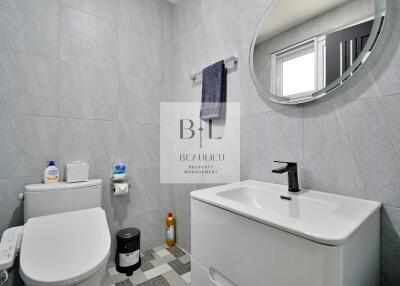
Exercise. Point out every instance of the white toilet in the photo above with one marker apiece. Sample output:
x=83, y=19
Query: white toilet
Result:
x=66, y=240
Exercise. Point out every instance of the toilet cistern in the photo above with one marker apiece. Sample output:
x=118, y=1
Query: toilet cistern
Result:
x=291, y=169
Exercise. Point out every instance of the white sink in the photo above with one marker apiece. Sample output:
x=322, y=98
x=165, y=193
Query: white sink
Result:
x=254, y=233
x=325, y=218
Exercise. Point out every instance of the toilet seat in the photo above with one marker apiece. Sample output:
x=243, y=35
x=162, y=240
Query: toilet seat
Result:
x=65, y=248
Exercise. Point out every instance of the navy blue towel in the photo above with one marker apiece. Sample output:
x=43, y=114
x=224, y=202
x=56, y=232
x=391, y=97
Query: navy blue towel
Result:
x=213, y=91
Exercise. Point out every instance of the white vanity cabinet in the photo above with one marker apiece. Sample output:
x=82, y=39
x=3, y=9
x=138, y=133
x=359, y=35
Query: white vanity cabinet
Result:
x=232, y=249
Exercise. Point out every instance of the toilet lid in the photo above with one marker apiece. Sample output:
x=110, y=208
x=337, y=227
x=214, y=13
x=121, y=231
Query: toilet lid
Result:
x=66, y=248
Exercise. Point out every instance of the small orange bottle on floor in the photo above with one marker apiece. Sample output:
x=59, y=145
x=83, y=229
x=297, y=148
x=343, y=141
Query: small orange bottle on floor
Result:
x=170, y=222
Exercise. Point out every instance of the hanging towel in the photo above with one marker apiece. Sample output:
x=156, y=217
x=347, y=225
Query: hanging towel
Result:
x=213, y=91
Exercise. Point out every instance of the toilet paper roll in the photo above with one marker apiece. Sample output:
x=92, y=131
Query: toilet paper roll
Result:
x=121, y=189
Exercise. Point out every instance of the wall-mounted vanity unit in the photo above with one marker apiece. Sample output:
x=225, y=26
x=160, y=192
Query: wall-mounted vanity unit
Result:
x=254, y=233
x=303, y=50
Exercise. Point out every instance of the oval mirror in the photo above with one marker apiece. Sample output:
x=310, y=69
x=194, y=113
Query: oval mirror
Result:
x=305, y=49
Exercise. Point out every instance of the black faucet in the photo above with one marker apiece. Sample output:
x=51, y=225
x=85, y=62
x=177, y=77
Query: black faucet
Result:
x=291, y=169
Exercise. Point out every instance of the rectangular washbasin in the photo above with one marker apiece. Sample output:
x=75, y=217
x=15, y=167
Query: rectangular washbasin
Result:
x=321, y=217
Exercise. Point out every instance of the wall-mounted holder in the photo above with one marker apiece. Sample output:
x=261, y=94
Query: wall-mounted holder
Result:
x=119, y=184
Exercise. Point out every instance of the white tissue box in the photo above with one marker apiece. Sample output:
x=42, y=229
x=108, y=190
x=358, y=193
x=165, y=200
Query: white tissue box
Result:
x=77, y=172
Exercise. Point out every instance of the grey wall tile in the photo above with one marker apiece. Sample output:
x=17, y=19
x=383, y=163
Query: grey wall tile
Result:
x=267, y=137
x=152, y=17
x=140, y=98
x=167, y=62
x=189, y=57
x=251, y=13
x=209, y=7
x=325, y=168
x=180, y=195
x=221, y=31
x=87, y=92
x=30, y=84
x=142, y=141
x=103, y=139
x=27, y=142
x=167, y=91
x=74, y=142
x=145, y=195
x=88, y=39
x=167, y=201
x=351, y=149
x=107, y=9
x=185, y=91
x=187, y=16
x=95, y=142
x=183, y=231
x=168, y=17
x=30, y=26
x=140, y=54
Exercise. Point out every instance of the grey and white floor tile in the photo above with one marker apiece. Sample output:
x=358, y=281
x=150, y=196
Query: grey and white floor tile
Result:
x=161, y=266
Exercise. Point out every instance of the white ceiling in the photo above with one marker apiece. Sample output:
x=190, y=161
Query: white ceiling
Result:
x=286, y=14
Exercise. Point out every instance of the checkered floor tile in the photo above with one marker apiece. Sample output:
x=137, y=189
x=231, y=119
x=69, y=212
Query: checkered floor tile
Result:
x=161, y=266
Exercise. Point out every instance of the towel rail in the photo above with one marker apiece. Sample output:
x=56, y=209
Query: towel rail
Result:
x=230, y=63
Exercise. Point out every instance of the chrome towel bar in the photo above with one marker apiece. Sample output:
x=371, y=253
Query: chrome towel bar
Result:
x=230, y=64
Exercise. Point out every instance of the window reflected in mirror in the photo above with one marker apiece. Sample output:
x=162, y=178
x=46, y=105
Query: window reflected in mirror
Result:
x=307, y=48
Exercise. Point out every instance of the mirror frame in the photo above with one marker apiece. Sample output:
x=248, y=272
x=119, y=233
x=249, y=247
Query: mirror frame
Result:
x=371, y=43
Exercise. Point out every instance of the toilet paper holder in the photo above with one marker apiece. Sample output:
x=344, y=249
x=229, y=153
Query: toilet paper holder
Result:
x=118, y=180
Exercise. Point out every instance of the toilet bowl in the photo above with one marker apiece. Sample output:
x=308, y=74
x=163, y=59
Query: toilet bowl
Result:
x=70, y=248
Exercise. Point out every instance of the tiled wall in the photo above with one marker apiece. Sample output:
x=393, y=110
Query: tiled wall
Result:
x=346, y=143
x=82, y=80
